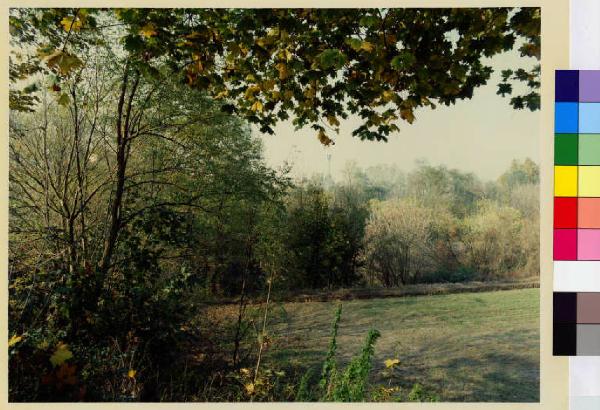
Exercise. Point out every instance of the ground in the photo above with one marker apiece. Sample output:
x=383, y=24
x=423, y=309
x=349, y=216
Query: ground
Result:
x=465, y=347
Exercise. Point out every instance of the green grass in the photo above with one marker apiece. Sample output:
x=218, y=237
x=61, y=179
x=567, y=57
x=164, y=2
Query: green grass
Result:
x=464, y=347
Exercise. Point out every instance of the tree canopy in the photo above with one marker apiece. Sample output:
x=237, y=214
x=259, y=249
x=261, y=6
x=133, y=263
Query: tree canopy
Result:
x=314, y=66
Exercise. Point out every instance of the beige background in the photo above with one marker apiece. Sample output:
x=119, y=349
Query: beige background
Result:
x=555, y=55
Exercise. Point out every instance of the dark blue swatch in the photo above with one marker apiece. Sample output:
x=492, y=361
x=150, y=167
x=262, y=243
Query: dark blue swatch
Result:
x=566, y=85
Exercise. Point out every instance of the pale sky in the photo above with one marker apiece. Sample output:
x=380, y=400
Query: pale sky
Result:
x=482, y=135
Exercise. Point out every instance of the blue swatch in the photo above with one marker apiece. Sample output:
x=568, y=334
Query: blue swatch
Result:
x=565, y=117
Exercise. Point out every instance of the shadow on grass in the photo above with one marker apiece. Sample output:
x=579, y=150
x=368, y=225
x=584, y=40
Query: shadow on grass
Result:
x=501, y=377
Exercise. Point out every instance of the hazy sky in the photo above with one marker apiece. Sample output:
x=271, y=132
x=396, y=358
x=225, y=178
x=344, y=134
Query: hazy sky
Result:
x=482, y=135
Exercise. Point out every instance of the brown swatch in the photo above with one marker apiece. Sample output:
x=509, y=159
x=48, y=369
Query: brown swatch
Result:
x=588, y=307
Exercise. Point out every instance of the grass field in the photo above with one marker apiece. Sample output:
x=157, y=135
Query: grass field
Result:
x=464, y=347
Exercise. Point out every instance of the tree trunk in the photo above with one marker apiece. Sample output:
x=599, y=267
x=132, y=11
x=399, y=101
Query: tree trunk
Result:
x=123, y=115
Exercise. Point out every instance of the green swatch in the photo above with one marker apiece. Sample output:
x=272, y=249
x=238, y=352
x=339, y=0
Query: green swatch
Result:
x=565, y=149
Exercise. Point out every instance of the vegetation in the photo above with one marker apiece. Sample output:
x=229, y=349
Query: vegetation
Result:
x=271, y=65
x=458, y=347
x=140, y=199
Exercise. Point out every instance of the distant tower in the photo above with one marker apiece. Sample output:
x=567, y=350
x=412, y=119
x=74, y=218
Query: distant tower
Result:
x=329, y=166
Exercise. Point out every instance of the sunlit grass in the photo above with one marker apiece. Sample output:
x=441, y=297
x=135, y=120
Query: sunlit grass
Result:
x=464, y=347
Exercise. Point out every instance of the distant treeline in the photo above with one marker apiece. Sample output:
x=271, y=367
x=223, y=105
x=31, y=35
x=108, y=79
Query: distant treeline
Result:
x=381, y=226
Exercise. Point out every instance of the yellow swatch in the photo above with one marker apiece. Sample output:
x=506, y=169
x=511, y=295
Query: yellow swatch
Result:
x=565, y=180
x=589, y=181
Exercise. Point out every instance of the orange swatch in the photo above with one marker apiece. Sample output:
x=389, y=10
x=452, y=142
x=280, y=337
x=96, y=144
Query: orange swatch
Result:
x=588, y=213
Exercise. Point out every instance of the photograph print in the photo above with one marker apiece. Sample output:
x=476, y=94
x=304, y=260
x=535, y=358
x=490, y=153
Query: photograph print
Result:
x=274, y=205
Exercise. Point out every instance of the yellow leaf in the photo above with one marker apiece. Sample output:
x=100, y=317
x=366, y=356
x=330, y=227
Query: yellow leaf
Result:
x=267, y=85
x=367, y=46
x=333, y=121
x=391, y=362
x=273, y=32
x=14, y=340
x=60, y=355
x=288, y=55
x=257, y=106
x=288, y=94
x=148, y=30
x=193, y=35
x=249, y=388
x=250, y=91
x=222, y=95
x=131, y=373
x=387, y=95
x=71, y=23
x=324, y=139
x=245, y=371
x=407, y=114
x=283, y=71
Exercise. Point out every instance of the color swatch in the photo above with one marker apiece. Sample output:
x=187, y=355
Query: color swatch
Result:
x=577, y=213
x=576, y=323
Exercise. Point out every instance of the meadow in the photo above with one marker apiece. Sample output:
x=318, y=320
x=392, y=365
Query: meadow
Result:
x=464, y=347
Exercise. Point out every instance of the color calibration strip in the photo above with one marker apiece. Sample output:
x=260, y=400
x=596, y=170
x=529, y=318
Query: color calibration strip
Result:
x=577, y=213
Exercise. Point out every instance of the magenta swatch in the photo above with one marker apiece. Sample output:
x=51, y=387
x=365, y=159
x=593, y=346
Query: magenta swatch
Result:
x=565, y=244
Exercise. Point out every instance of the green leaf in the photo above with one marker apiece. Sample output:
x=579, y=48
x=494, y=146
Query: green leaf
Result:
x=369, y=21
x=402, y=60
x=331, y=58
x=354, y=43
x=504, y=88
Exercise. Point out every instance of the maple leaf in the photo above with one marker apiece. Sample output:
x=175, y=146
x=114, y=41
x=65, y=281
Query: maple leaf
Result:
x=64, y=62
x=61, y=354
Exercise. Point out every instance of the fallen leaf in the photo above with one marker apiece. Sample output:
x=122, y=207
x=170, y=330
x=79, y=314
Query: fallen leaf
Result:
x=391, y=362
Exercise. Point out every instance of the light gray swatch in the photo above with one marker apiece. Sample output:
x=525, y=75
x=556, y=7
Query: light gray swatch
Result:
x=588, y=340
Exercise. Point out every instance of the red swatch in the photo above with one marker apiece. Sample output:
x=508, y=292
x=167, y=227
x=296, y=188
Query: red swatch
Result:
x=565, y=212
